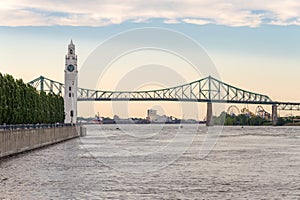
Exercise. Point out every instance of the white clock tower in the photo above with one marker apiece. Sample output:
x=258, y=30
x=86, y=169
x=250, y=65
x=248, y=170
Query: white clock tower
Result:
x=71, y=84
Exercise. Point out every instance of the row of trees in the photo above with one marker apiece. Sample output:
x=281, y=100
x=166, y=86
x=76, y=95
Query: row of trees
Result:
x=241, y=119
x=21, y=103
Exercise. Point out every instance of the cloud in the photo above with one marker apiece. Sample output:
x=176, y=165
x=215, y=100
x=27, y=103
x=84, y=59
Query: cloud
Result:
x=171, y=21
x=105, y=12
x=196, y=21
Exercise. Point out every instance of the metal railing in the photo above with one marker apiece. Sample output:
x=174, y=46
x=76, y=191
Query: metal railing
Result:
x=32, y=126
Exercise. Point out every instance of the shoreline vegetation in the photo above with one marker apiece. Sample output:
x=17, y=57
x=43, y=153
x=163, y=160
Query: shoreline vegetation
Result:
x=223, y=119
x=253, y=120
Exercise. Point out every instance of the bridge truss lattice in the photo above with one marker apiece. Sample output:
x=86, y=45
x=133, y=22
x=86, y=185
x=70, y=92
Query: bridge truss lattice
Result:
x=207, y=89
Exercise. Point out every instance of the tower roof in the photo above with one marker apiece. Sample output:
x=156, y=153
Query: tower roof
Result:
x=71, y=44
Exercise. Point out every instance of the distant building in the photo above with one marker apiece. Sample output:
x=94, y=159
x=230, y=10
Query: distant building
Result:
x=152, y=115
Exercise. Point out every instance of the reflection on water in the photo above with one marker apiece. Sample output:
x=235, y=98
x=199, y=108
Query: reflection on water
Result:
x=249, y=162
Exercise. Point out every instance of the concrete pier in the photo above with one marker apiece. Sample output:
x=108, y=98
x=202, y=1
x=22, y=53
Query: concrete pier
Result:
x=17, y=141
x=274, y=115
x=209, y=115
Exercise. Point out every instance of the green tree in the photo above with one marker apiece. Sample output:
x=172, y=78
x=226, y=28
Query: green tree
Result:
x=21, y=103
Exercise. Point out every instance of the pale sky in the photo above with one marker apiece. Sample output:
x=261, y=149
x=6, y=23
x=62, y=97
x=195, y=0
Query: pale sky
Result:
x=255, y=45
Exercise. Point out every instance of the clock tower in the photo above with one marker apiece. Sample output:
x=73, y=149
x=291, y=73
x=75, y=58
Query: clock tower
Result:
x=71, y=84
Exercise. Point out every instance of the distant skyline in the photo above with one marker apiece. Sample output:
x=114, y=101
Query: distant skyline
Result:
x=255, y=45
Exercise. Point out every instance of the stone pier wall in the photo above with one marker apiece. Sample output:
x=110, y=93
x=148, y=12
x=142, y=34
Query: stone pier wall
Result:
x=17, y=141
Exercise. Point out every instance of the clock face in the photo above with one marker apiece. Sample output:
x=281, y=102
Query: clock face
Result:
x=70, y=68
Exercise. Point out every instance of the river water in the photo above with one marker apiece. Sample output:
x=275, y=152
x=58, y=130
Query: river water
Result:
x=160, y=162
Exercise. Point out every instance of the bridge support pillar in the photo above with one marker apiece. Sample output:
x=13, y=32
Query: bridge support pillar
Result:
x=274, y=115
x=209, y=115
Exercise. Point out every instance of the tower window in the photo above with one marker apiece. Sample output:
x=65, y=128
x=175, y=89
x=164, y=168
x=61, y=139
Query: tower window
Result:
x=72, y=94
x=70, y=88
x=69, y=94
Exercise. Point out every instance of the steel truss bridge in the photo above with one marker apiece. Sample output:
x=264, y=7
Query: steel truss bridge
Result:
x=208, y=90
